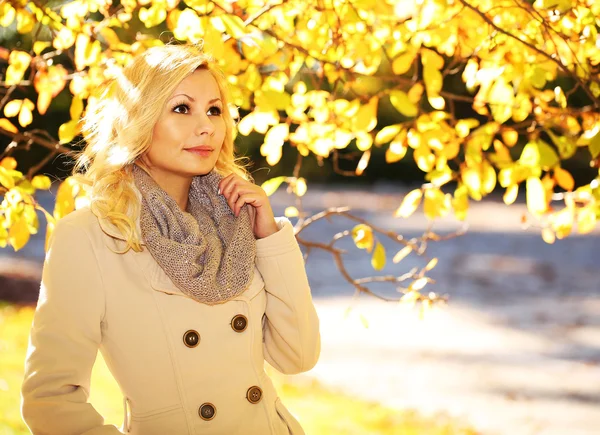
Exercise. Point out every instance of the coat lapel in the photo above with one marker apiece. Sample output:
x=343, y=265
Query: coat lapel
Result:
x=156, y=277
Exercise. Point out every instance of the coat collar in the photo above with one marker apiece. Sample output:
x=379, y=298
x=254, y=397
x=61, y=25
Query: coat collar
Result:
x=155, y=275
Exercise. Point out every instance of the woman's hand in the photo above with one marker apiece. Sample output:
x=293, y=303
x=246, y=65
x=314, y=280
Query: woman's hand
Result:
x=238, y=192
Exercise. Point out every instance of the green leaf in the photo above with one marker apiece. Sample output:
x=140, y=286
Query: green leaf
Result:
x=270, y=186
x=566, y=146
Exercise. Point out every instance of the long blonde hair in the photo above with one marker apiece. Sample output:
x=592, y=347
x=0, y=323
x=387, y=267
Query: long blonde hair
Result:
x=118, y=130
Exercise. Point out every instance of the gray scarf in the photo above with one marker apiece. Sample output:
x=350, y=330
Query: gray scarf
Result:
x=206, y=251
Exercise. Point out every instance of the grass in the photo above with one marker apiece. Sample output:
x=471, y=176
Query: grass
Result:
x=320, y=411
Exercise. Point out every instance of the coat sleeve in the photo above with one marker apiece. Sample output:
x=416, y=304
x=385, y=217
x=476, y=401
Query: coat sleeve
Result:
x=292, y=341
x=64, y=340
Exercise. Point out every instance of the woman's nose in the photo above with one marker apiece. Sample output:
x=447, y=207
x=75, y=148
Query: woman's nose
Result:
x=204, y=126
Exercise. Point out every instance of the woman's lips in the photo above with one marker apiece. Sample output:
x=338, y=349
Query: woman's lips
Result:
x=204, y=152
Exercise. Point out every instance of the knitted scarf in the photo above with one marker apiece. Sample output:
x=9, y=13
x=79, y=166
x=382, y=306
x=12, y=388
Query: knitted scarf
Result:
x=206, y=251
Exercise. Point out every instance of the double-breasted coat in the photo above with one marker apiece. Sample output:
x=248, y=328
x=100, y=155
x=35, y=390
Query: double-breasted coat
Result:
x=183, y=367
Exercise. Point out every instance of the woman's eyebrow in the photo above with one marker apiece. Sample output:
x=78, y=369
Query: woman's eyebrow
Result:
x=214, y=100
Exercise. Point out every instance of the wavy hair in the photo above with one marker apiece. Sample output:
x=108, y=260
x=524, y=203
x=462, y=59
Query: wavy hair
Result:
x=118, y=125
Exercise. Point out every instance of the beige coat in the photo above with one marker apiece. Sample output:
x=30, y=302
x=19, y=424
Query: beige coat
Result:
x=171, y=356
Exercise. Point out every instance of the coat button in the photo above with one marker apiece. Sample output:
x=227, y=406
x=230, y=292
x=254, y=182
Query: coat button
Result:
x=207, y=411
x=239, y=323
x=254, y=394
x=191, y=338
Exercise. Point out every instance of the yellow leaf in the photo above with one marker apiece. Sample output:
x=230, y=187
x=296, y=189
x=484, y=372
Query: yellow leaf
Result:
x=76, y=107
x=560, y=97
x=8, y=163
x=300, y=186
x=488, y=179
x=386, y=134
x=41, y=182
x=39, y=46
x=416, y=93
x=25, y=115
x=436, y=204
x=271, y=185
x=433, y=81
x=586, y=220
x=594, y=145
x=291, y=211
x=152, y=16
x=424, y=158
x=68, y=130
x=64, y=39
x=65, y=199
x=431, y=264
x=402, y=103
x=13, y=108
x=25, y=21
x=378, y=258
x=7, y=14
x=363, y=237
x=538, y=155
x=418, y=284
x=548, y=235
x=6, y=179
x=397, y=149
x=363, y=320
x=18, y=234
x=364, y=140
x=510, y=196
x=366, y=117
x=460, y=202
x=510, y=137
x=564, y=178
x=402, y=253
x=471, y=177
x=409, y=204
x=402, y=63
x=18, y=63
x=501, y=99
x=536, y=196
x=363, y=162
x=562, y=222
x=234, y=26
x=8, y=126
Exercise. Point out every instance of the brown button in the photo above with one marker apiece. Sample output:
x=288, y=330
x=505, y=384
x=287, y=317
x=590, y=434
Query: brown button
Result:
x=191, y=338
x=254, y=394
x=239, y=323
x=207, y=411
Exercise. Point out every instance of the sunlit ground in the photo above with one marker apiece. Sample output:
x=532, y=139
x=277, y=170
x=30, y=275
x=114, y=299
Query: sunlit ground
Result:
x=321, y=411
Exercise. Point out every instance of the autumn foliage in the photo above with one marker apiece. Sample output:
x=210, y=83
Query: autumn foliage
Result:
x=312, y=76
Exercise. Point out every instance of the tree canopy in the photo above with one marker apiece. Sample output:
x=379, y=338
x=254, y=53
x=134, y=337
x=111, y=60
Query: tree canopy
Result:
x=485, y=94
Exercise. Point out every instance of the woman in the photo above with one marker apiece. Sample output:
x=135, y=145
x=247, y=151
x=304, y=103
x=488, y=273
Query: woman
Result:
x=178, y=270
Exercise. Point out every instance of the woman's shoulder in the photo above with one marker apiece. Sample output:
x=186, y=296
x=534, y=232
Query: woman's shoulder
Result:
x=82, y=218
x=79, y=222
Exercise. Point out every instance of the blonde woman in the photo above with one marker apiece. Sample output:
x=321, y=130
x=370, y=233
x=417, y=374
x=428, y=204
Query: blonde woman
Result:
x=178, y=270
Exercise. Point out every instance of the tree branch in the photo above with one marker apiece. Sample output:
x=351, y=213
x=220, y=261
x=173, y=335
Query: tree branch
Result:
x=574, y=76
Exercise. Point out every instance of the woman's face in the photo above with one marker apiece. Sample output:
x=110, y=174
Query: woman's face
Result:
x=191, y=118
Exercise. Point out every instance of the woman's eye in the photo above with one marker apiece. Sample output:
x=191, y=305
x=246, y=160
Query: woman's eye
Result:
x=214, y=111
x=187, y=108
